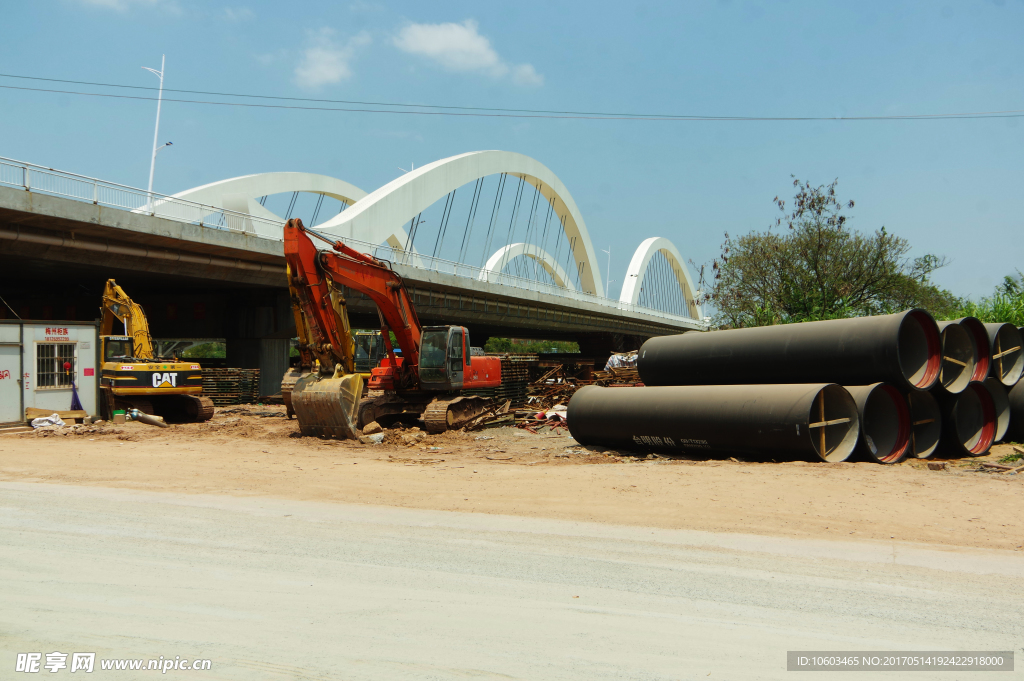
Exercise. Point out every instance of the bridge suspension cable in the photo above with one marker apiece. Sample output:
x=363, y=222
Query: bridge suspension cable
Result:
x=494, y=216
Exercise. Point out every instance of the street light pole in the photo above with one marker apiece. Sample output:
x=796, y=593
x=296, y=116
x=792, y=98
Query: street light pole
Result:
x=156, y=130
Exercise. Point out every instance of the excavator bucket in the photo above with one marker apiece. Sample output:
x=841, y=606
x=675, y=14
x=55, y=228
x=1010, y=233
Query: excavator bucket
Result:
x=328, y=407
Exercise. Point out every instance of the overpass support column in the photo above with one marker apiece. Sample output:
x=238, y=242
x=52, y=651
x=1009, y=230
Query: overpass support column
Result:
x=262, y=329
x=602, y=345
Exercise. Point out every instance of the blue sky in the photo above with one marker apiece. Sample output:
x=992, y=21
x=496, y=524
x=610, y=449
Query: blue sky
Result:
x=952, y=187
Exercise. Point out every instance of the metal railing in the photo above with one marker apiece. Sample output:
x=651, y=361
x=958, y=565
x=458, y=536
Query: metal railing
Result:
x=41, y=179
x=45, y=180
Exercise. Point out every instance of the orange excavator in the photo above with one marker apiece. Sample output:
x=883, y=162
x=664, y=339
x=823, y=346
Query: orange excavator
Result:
x=426, y=381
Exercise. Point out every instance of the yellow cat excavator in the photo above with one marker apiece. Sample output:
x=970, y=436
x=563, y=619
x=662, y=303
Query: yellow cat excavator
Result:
x=133, y=378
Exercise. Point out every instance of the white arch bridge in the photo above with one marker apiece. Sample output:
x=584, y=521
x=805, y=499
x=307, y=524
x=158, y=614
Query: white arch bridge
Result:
x=490, y=239
x=486, y=217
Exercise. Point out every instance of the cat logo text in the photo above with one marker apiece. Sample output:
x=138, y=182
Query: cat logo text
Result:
x=165, y=380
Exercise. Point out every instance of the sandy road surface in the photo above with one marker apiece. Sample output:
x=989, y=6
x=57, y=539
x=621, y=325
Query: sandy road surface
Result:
x=283, y=590
x=516, y=473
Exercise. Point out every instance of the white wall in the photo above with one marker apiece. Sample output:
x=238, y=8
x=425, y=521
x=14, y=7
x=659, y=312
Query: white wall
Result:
x=10, y=372
x=86, y=375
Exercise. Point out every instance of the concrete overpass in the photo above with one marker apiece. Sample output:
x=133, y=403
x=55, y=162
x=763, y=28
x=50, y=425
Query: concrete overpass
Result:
x=201, y=281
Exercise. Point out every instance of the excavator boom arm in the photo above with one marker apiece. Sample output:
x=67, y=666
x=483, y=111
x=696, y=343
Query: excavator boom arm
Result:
x=312, y=271
x=117, y=305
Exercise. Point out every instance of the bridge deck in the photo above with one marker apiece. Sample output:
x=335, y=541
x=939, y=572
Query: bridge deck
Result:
x=44, y=229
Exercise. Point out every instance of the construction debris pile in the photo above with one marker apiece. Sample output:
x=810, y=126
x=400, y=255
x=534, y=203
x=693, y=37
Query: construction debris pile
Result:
x=555, y=386
x=886, y=387
x=620, y=370
x=547, y=396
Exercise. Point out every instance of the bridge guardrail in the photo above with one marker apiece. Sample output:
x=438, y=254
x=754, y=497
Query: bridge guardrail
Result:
x=31, y=177
x=45, y=180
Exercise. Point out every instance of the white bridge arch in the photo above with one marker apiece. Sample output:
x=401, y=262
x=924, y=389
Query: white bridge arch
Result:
x=241, y=194
x=381, y=215
x=637, y=270
x=497, y=263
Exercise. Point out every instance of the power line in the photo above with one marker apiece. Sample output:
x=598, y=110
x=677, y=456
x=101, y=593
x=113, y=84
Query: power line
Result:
x=476, y=112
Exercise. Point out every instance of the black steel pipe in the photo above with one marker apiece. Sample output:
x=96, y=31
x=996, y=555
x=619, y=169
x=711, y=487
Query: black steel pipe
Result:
x=1007, y=353
x=819, y=419
x=925, y=423
x=902, y=349
x=980, y=335
x=969, y=420
x=884, y=422
x=1015, y=431
x=1001, y=403
x=959, y=355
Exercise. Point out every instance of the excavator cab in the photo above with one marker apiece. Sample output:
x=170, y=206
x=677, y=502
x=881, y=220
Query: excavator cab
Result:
x=443, y=357
x=117, y=348
x=369, y=348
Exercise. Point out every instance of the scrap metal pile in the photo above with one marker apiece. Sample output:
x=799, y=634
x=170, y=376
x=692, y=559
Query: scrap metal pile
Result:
x=886, y=387
x=620, y=370
x=555, y=386
x=543, y=403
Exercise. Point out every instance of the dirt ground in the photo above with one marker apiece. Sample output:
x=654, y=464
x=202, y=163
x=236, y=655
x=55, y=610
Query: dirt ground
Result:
x=255, y=451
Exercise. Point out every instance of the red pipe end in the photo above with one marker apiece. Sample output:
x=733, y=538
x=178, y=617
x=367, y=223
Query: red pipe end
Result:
x=988, y=411
x=980, y=335
x=899, y=449
x=931, y=332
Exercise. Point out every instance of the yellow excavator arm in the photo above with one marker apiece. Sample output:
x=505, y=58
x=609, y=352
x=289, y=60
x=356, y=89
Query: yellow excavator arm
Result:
x=328, y=355
x=117, y=304
x=319, y=358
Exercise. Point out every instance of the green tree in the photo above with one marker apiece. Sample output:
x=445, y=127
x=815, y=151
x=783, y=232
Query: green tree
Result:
x=213, y=349
x=1004, y=306
x=809, y=265
x=516, y=345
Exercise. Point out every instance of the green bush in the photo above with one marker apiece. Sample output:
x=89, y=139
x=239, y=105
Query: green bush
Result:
x=517, y=346
x=206, y=350
x=1004, y=306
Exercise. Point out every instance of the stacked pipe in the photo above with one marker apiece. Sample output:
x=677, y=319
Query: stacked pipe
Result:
x=876, y=385
x=980, y=415
x=968, y=415
x=1006, y=346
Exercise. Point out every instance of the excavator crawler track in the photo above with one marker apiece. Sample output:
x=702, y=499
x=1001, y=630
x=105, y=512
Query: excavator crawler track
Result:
x=453, y=413
x=203, y=408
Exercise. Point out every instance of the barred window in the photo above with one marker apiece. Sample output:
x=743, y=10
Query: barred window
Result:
x=50, y=358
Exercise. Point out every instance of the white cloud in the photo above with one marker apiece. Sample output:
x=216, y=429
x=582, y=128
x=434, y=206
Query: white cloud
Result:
x=461, y=48
x=326, y=61
x=238, y=13
x=268, y=58
x=119, y=5
x=525, y=74
x=166, y=7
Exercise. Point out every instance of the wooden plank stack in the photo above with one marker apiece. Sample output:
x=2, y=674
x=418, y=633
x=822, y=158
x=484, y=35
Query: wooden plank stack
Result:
x=618, y=376
x=555, y=386
x=67, y=416
x=231, y=386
